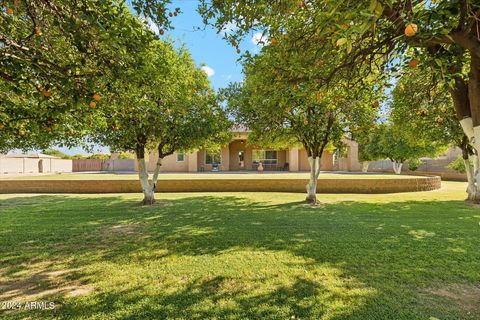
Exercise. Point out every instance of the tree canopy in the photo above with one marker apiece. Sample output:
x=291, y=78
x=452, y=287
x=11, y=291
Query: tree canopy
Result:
x=283, y=99
x=164, y=104
x=57, y=60
x=382, y=34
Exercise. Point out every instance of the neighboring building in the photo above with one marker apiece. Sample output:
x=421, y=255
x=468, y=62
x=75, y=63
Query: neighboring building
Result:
x=33, y=163
x=238, y=156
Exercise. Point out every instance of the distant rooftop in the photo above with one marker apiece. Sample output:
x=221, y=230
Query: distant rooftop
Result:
x=239, y=128
x=30, y=155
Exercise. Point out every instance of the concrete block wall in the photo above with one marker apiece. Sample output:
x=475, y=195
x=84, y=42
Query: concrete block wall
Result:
x=222, y=185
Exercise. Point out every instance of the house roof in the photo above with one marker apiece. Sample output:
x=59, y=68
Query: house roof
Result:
x=239, y=128
x=31, y=155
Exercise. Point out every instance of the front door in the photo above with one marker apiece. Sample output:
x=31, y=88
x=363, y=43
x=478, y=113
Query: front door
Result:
x=241, y=159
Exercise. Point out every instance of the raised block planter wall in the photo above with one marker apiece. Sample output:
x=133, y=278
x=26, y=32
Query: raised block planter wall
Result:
x=224, y=185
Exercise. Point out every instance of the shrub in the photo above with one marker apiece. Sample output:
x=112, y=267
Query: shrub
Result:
x=458, y=164
x=56, y=153
x=126, y=155
x=414, y=164
x=100, y=156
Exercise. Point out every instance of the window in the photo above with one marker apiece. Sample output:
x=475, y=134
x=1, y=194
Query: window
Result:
x=265, y=156
x=180, y=157
x=213, y=157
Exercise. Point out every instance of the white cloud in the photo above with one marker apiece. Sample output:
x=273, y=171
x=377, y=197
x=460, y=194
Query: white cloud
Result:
x=259, y=39
x=209, y=71
x=152, y=25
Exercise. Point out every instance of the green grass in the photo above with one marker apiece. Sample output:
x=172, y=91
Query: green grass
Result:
x=205, y=175
x=242, y=256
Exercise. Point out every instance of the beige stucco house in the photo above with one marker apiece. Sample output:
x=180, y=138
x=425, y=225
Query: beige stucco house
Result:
x=240, y=156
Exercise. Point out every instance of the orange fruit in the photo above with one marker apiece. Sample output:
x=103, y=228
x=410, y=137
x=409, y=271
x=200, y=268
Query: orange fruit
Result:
x=411, y=29
x=161, y=32
x=46, y=93
x=2, y=125
x=97, y=97
x=9, y=11
x=443, y=109
x=376, y=104
x=175, y=13
x=170, y=14
x=93, y=104
x=273, y=41
x=319, y=96
x=413, y=63
x=238, y=51
x=38, y=31
x=305, y=122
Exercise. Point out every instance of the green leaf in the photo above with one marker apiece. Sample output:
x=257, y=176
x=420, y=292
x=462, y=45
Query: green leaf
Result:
x=341, y=41
x=378, y=9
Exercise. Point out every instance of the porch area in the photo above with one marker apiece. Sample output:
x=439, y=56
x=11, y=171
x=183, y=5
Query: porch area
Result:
x=238, y=156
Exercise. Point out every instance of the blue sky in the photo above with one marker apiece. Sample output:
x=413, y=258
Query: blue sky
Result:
x=207, y=48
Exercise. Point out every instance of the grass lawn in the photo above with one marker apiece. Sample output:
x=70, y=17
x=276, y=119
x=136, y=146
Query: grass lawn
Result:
x=242, y=256
x=204, y=175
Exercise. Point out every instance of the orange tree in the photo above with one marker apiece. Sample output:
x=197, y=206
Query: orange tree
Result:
x=442, y=34
x=390, y=141
x=283, y=98
x=423, y=108
x=166, y=105
x=56, y=62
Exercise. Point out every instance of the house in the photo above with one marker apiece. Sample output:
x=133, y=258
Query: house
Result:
x=240, y=156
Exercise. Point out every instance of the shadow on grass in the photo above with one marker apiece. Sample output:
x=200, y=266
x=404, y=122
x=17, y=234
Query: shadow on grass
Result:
x=338, y=261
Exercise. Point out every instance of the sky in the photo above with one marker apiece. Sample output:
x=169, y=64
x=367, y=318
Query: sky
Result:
x=206, y=46
x=209, y=50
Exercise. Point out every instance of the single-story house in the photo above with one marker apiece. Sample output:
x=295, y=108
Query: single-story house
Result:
x=33, y=163
x=240, y=156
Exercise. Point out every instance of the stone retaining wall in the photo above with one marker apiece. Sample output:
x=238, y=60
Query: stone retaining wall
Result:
x=222, y=185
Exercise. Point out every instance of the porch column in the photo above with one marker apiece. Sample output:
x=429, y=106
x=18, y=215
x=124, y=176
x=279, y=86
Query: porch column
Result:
x=192, y=162
x=225, y=158
x=293, y=162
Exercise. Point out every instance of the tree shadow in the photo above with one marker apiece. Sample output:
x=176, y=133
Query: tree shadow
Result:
x=342, y=260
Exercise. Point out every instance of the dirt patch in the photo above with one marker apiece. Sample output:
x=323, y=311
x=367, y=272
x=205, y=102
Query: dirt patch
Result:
x=42, y=284
x=121, y=230
x=124, y=229
x=465, y=297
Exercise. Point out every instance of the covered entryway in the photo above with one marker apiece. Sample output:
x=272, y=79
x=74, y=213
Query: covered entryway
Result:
x=240, y=156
